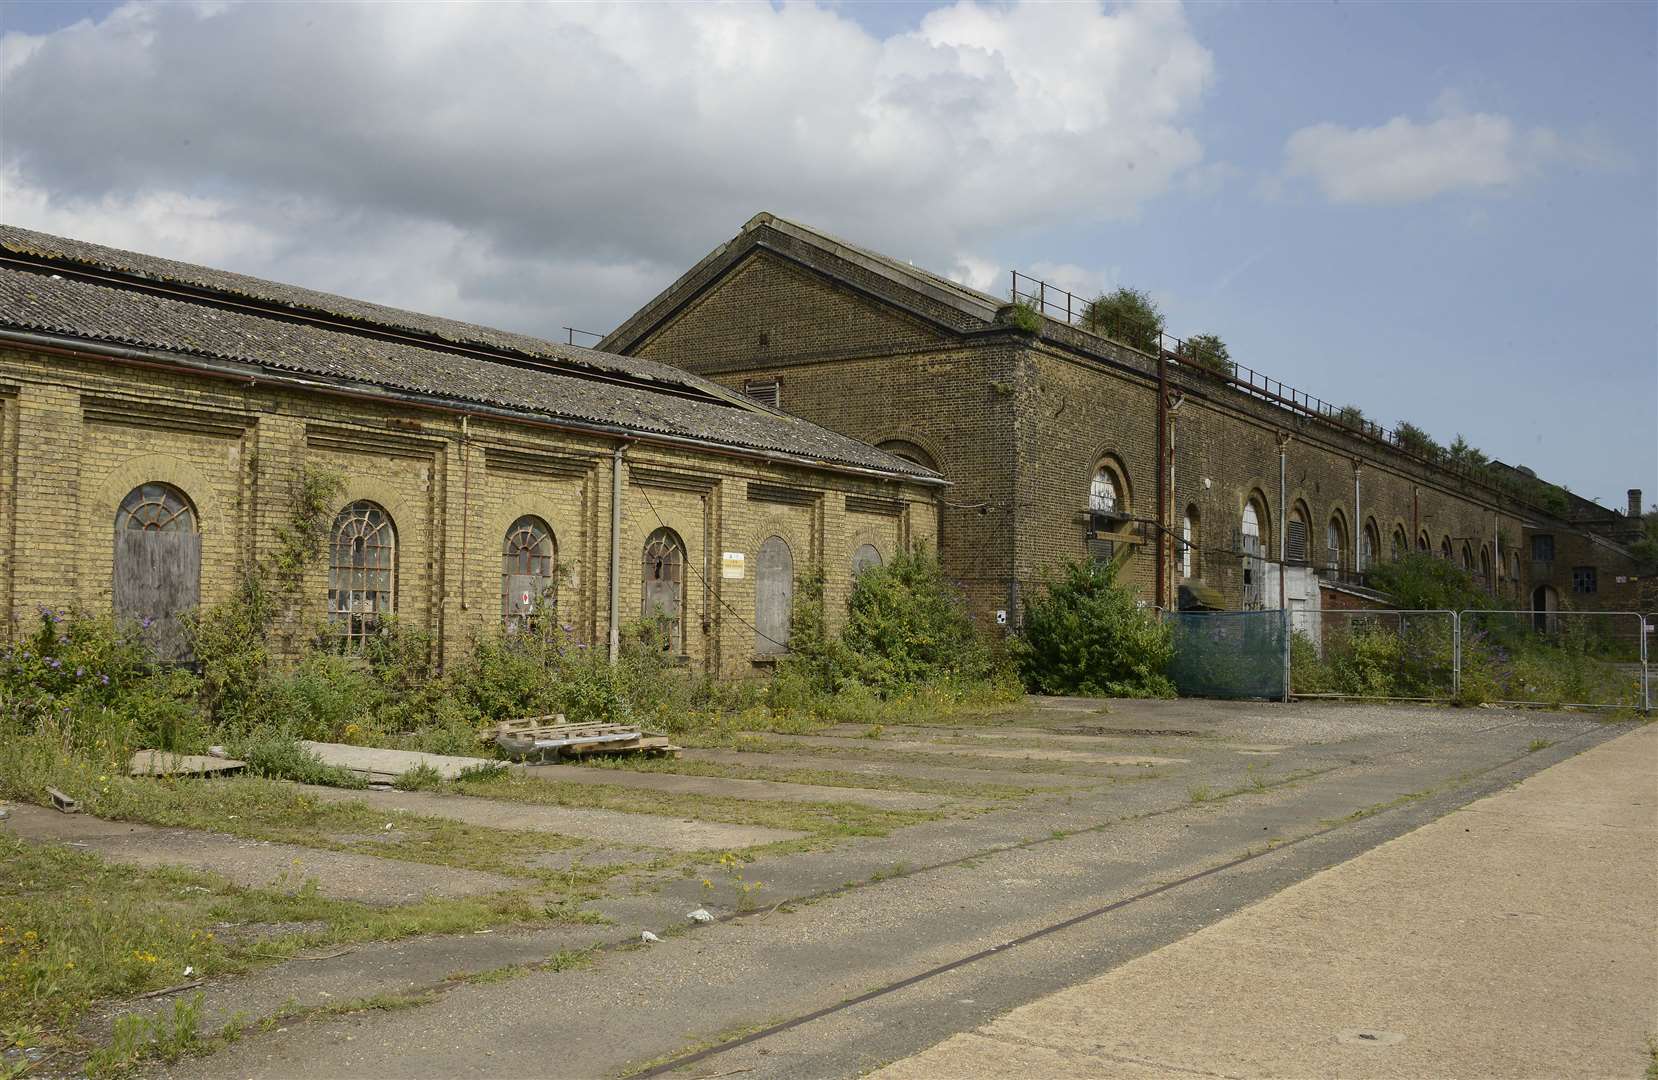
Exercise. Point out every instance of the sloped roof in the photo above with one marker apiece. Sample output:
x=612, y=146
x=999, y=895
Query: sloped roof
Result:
x=967, y=309
x=230, y=317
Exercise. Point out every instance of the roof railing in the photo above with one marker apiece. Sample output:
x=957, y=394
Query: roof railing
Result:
x=1062, y=305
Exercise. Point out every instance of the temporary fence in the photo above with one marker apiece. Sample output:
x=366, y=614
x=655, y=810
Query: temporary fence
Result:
x=1562, y=659
x=1228, y=654
x=1396, y=655
x=1578, y=659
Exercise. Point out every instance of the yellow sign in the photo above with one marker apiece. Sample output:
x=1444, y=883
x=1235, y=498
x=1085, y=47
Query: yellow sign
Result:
x=731, y=565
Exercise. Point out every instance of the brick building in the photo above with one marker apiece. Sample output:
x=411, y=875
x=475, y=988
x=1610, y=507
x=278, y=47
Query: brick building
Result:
x=156, y=419
x=1062, y=443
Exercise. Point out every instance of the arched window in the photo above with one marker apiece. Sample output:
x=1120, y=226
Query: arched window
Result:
x=1422, y=542
x=157, y=565
x=529, y=561
x=362, y=571
x=1369, y=541
x=773, y=596
x=866, y=556
x=1253, y=543
x=1468, y=558
x=1445, y=551
x=1335, y=542
x=663, y=591
x=1485, y=567
x=1189, y=542
x=1105, y=492
x=910, y=452
x=1401, y=546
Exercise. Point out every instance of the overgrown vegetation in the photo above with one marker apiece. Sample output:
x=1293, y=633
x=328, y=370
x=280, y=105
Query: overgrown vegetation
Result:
x=1563, y=658
x=1088, y=635
x=1023, y=316
x=1209, y=352
x=1126, y=315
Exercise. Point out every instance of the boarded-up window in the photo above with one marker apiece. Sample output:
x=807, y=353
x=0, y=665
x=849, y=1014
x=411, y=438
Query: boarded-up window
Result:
x=664, y=585
x=157, y=565
x=1296, y=538
x=528, y=563
x=362, y=572
x=773, y=597
x=866, y=556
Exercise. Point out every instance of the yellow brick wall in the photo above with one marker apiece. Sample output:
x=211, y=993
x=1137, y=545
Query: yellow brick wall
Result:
x=452, y=485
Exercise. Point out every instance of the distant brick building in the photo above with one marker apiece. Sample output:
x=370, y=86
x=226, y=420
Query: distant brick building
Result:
x=156, y=419
x=1062, y=443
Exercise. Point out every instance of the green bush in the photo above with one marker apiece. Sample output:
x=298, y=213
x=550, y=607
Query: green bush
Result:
x=1208, y=352
x=1129, y=316
x=1419, y=581
x=1088, y=635
x=907, y=626
x=93, y=683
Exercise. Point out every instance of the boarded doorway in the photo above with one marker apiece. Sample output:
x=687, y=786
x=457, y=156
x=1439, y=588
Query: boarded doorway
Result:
x=158, y=565
x=773, y=597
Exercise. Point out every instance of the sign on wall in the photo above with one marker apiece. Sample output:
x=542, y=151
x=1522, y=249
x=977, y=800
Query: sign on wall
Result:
x=731, y=565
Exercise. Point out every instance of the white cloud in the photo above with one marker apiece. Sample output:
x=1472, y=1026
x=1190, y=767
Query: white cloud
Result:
x=1405, y=161
x=544, y=163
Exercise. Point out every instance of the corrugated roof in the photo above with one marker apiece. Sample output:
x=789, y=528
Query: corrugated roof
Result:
x=295, y=300
x=38, y=300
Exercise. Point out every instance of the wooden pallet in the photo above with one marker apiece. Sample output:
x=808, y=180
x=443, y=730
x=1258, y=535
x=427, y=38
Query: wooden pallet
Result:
x=546, y=737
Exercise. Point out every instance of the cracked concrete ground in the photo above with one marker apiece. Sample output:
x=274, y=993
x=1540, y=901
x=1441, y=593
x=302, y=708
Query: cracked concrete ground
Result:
x=858, y=953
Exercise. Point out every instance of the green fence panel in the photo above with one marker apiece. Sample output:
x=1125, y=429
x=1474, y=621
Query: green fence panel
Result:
x=1227, y=654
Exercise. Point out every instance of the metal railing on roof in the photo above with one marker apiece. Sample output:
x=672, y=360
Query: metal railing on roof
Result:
x=570, y=333
x=1064, y=306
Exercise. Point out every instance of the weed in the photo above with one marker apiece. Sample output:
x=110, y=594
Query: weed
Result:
x=422, y=777
x=137, y=1038
x=1538, y=744
x=1200, y=793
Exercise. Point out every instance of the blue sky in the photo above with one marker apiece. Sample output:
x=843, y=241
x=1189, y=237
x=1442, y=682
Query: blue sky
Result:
x=1442, y=213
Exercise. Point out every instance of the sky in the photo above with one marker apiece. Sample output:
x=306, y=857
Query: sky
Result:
x=1441, y=213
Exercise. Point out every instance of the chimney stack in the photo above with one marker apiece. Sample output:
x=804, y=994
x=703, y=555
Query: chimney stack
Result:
x=1634, y=502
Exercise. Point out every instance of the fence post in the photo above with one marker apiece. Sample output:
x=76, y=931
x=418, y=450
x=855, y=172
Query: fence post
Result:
x=1456, y=654
x=1285, y=612
x=1646, y=667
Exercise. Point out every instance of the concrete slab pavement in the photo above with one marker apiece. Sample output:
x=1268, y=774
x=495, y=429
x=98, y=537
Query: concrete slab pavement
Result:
x=258, y=864
x=1517, y=937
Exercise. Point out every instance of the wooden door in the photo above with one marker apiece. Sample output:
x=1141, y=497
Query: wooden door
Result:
x=158, y=578
x=773, y=597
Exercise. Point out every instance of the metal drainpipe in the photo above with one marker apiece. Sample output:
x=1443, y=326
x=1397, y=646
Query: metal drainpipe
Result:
x=1283, y=552
x=1162, y=466
x=1358, y=526
x=616, y=550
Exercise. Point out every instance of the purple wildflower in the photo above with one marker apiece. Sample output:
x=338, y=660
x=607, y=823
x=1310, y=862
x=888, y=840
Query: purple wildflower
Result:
x=53, y=662
x=146, y=622
x=103, y=679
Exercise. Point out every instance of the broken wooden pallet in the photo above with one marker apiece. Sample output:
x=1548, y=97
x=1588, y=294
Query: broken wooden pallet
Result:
x=545, y=737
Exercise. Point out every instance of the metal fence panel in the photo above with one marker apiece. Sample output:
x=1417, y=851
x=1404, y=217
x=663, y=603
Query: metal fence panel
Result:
x=1393, y=655
x=1585, y=659
x=1228, y=654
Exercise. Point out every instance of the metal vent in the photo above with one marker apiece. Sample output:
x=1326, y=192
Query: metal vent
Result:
x=765, y=391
